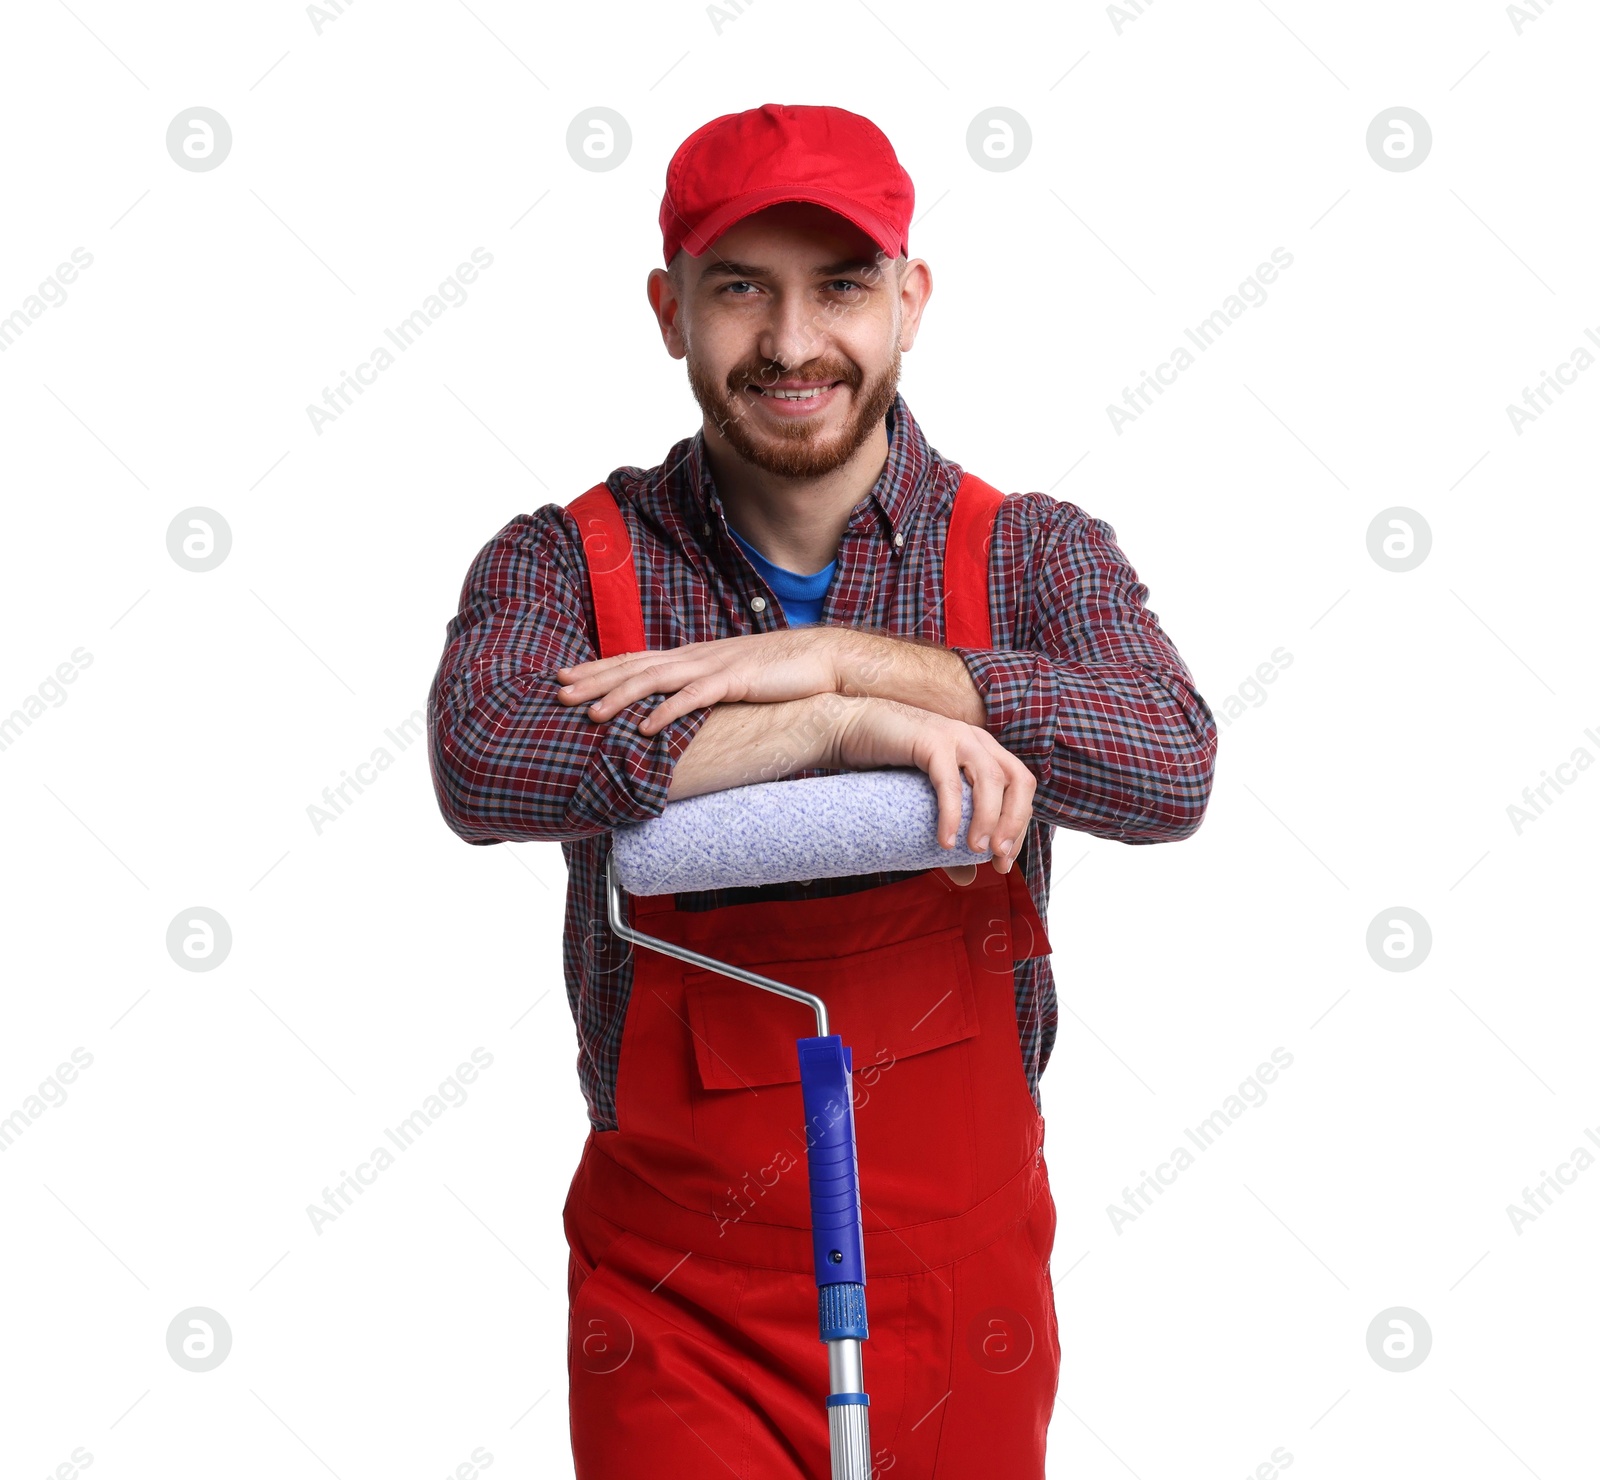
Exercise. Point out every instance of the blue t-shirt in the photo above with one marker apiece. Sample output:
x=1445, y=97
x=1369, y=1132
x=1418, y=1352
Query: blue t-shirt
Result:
x=799, y=596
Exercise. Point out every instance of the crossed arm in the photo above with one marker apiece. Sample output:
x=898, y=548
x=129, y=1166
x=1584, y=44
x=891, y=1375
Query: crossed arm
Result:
x=1094, y=704
x=823, y=696
x=767, y=667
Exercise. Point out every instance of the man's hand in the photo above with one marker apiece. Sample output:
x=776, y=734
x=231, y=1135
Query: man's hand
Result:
x=755, y=668
x=883, y=732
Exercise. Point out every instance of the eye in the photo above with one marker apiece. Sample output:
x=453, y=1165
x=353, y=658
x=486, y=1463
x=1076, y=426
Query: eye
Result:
x=846, y=283
x=729, y=287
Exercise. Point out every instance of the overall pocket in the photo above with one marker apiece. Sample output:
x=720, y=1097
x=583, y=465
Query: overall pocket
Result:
x=909, y=1015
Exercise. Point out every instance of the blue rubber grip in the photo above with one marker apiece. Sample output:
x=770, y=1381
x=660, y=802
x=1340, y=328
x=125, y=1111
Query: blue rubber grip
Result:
x=831, y=1161
x=842, y=1312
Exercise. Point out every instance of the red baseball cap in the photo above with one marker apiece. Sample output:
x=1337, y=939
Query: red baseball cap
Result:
x=742, y=162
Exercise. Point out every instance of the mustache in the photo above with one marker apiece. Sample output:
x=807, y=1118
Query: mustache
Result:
x=766, y=373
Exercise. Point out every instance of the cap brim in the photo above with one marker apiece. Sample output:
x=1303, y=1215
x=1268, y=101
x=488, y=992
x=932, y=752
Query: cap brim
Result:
x=699, y=241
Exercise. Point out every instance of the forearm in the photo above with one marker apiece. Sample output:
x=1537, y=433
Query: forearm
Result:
x=510, y=761
x=1121, y=750
x=741, y=744
x=511, y=764
x=1085, y=688
x=1117, y=751
x=909, y=670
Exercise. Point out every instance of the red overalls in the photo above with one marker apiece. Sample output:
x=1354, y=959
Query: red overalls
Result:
x=692, y=1337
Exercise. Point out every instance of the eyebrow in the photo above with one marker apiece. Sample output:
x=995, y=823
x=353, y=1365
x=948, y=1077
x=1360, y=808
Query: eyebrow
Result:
x=746, y=270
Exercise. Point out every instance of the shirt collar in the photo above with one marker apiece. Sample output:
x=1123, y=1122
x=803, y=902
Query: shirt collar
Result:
x=900, y=487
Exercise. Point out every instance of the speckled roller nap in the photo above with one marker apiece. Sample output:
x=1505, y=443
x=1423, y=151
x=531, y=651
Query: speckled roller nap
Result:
x=861, y=822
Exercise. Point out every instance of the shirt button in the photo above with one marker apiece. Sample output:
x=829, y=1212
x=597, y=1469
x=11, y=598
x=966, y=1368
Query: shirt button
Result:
x=758, y=603
x=705, y=529
x=899, y=540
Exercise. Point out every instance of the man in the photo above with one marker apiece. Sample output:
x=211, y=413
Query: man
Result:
x=806, y=586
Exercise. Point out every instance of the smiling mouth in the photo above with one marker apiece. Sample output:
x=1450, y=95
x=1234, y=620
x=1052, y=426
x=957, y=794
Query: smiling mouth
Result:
x=809, y=393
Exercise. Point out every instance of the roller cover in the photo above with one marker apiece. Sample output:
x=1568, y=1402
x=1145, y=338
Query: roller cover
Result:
x=776, y=832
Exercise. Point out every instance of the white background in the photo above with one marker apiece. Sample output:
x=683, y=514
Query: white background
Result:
x=369, y=960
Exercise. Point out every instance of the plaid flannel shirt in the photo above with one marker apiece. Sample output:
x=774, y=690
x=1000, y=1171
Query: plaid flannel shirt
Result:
x=1087, y=691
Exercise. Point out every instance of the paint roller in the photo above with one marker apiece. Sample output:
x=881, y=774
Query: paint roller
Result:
x=777, y=832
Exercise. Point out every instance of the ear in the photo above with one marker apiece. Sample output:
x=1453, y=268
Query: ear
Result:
x=667, y=305
x=916, y=287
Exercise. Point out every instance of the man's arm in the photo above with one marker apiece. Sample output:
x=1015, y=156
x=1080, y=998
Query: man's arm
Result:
x=509, y=760
x=743, y=743
x=909, y=670
x=1095, y=700
x=771, y=667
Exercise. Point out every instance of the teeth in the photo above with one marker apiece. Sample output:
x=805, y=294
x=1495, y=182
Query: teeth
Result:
x=796, y=395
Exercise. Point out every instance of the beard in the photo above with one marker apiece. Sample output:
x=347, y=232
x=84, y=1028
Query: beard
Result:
x=795, y=449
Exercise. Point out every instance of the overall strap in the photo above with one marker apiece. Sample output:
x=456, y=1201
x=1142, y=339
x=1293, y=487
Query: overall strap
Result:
x=966, y=563
x=613, y=581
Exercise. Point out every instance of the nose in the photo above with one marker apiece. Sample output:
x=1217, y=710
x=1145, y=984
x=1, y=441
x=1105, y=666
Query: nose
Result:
x=791, y=333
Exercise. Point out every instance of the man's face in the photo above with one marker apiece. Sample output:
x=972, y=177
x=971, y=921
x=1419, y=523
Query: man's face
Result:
x=792, y=324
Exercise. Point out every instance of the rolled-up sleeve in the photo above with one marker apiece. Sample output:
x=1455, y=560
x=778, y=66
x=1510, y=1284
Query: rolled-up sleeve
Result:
x=510, y=761
x=1096, y=703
